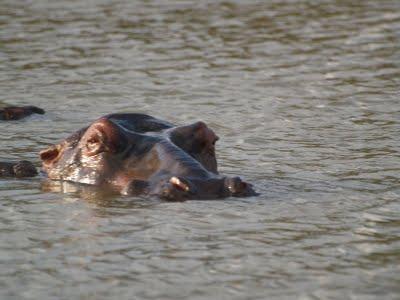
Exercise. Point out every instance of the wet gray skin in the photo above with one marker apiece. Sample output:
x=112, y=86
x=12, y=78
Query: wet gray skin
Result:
x=138, y=154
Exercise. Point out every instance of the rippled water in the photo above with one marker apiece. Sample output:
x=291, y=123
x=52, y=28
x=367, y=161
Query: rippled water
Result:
x=305, y=97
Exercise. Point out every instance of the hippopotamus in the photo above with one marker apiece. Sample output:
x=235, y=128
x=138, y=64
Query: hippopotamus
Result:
x=21, y=168
x=12, y=113
x=137, y=154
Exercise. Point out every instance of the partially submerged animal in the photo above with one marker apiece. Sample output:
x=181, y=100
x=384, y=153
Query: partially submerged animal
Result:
x=19, y=169
x=138, y=154
x=12, y=113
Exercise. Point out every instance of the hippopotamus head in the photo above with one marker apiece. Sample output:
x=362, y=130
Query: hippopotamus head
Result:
x=137, y=154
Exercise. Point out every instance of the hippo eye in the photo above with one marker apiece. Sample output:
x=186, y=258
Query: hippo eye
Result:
x=91, y=143
x=95, y=145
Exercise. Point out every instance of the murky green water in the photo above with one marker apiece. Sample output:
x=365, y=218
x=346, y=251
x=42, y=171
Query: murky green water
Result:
x=305, y=97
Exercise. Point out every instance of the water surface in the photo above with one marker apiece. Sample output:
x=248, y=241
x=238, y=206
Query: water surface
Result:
x=305, y=97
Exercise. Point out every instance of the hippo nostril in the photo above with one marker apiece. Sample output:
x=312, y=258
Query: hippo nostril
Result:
x=236, y=186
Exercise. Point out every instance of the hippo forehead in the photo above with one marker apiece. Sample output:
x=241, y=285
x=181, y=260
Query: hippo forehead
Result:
x=138, y=123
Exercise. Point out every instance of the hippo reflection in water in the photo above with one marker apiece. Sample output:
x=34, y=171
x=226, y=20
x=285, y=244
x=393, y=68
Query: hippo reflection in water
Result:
x=138, y=154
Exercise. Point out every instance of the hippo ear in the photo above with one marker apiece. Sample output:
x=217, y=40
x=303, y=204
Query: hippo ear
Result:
x=50, y=154
x=205, y=134
x=102, y=136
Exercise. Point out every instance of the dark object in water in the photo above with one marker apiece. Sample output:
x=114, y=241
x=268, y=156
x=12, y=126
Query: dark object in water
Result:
x=19, y=169
x=12, y=113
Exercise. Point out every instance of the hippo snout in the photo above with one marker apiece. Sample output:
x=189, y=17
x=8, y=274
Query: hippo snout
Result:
x=180, y=188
